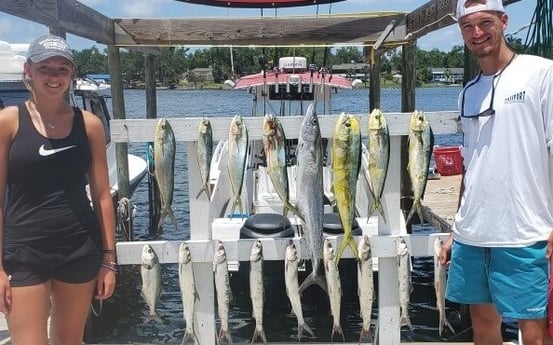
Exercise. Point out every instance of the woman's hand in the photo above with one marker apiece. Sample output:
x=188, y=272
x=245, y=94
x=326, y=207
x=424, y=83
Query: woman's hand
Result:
x=105, y=284
x=5, y=293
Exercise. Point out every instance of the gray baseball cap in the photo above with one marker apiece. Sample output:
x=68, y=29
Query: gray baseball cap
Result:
x=48, y=46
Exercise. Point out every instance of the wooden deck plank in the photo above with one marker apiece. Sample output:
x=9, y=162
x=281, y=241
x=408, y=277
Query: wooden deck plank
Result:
x=440, y=201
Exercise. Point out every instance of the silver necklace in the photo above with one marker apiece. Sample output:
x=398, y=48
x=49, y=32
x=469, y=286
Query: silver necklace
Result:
x=47, y=124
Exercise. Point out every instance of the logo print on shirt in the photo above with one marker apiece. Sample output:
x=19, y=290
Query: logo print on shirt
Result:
x=44, y=152
x=516, y=98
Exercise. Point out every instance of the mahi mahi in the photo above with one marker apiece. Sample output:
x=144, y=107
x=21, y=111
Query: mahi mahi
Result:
x=223, y=292
x=292, y=288
x=439, y=286
x=164, y=168
x=274, y=142
x=237, y=154
x=379, y=157
x=421, y=142
x=257, y=290
x=205, y=154
x=346, y=160
x=188, y=291
x=150, y=272
x=309, y=192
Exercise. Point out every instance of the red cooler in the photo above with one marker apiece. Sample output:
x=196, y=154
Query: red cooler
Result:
x=448, y=160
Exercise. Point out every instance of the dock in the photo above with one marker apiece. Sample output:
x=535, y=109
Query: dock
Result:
x=441, y=200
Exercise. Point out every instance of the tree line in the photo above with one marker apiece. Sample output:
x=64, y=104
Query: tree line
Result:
x=176, y=63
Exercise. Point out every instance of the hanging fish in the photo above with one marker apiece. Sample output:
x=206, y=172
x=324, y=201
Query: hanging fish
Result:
x=237, y=155
x=205, y=154
x=379, y=157
x=164, y=168
x=421, y=142
x=346, y=161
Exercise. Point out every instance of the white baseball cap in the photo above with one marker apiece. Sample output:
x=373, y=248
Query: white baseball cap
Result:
x=465, y=7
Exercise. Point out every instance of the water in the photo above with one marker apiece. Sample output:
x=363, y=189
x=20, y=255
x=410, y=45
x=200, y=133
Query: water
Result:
x=122, y=318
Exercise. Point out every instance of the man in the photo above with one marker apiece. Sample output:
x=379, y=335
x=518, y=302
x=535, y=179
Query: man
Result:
x=501, y=238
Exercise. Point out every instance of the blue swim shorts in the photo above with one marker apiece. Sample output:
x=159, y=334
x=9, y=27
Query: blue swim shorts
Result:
x=515, y=280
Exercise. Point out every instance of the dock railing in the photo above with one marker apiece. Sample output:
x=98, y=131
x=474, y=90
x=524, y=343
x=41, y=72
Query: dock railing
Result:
x=201, y=242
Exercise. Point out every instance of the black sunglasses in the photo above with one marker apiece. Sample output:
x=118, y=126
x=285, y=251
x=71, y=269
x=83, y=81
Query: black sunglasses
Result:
x=490, y=110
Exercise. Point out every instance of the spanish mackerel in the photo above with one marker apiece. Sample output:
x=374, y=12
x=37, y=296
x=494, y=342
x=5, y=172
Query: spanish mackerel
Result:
x=237, y=155
x=188, y=291
x=439, y=286
x=421, y=143
x=346, y=160
x=379, y=158
x=257, y=290
x=274, y=142
x=292, y=287
x=164, y=168
x=222, y=287
x=205, y=154
x=309, y=192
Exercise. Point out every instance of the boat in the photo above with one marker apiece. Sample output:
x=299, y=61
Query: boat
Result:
x=260, y=3
x=85, y=94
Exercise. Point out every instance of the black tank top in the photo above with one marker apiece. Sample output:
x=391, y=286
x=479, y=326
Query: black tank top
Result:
x=46, y=182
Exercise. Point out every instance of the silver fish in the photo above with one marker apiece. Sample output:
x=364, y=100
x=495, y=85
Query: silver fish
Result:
x=274, y=143
x=421, y=142
x=237, y=154
x=292, y=288
x=205, y=154
x=332, y=275
x=404, y=279
x=164, y=168
x=257, y=290
x=150, y=272
x=365, y=286
x=188, y=291
x=439, y=286
x=346, y=161
x=309, y=176
x=379, y=157
x=222, y=287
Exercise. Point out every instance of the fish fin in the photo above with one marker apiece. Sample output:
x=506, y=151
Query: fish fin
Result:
x=304, y=328
x=366, y=336
x=337, y=329
x=259, y=333
x=312, y=279
x=347, y=240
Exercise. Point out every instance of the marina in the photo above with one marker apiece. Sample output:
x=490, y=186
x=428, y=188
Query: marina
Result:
x=209, y=219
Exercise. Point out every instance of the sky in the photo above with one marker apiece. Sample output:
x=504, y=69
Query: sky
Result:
x=17, y=30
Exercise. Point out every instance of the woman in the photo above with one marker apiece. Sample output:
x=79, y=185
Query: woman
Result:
x=57, y=252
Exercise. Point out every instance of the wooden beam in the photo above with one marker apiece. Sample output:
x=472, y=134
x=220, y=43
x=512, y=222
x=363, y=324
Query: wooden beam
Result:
x=70, y=16
x=285, y=31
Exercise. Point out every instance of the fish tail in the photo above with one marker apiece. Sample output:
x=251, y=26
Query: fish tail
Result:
x=414, y=208
x=303, y=327
x=172, y=216
x=377, y=206
x=237, y=202
x=153, y=317
x=337, y=329
x=224, y=334
x=190, y=336
x=445, y=322
x=259, y=333
x=347, y=240
x=294, y=210
x=405, y=320
x=365, y=336
x=313, y=278
x=205, y=188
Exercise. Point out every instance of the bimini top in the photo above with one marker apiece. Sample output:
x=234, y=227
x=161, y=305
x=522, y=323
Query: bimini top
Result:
x=260, y=3
x=294, y=71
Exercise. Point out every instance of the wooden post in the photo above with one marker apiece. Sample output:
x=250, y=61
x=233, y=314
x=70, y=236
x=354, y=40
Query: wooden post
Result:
x=374, y=86
x=154, y=200
x=118, y=105
x=471, y=66
x=408, y=85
